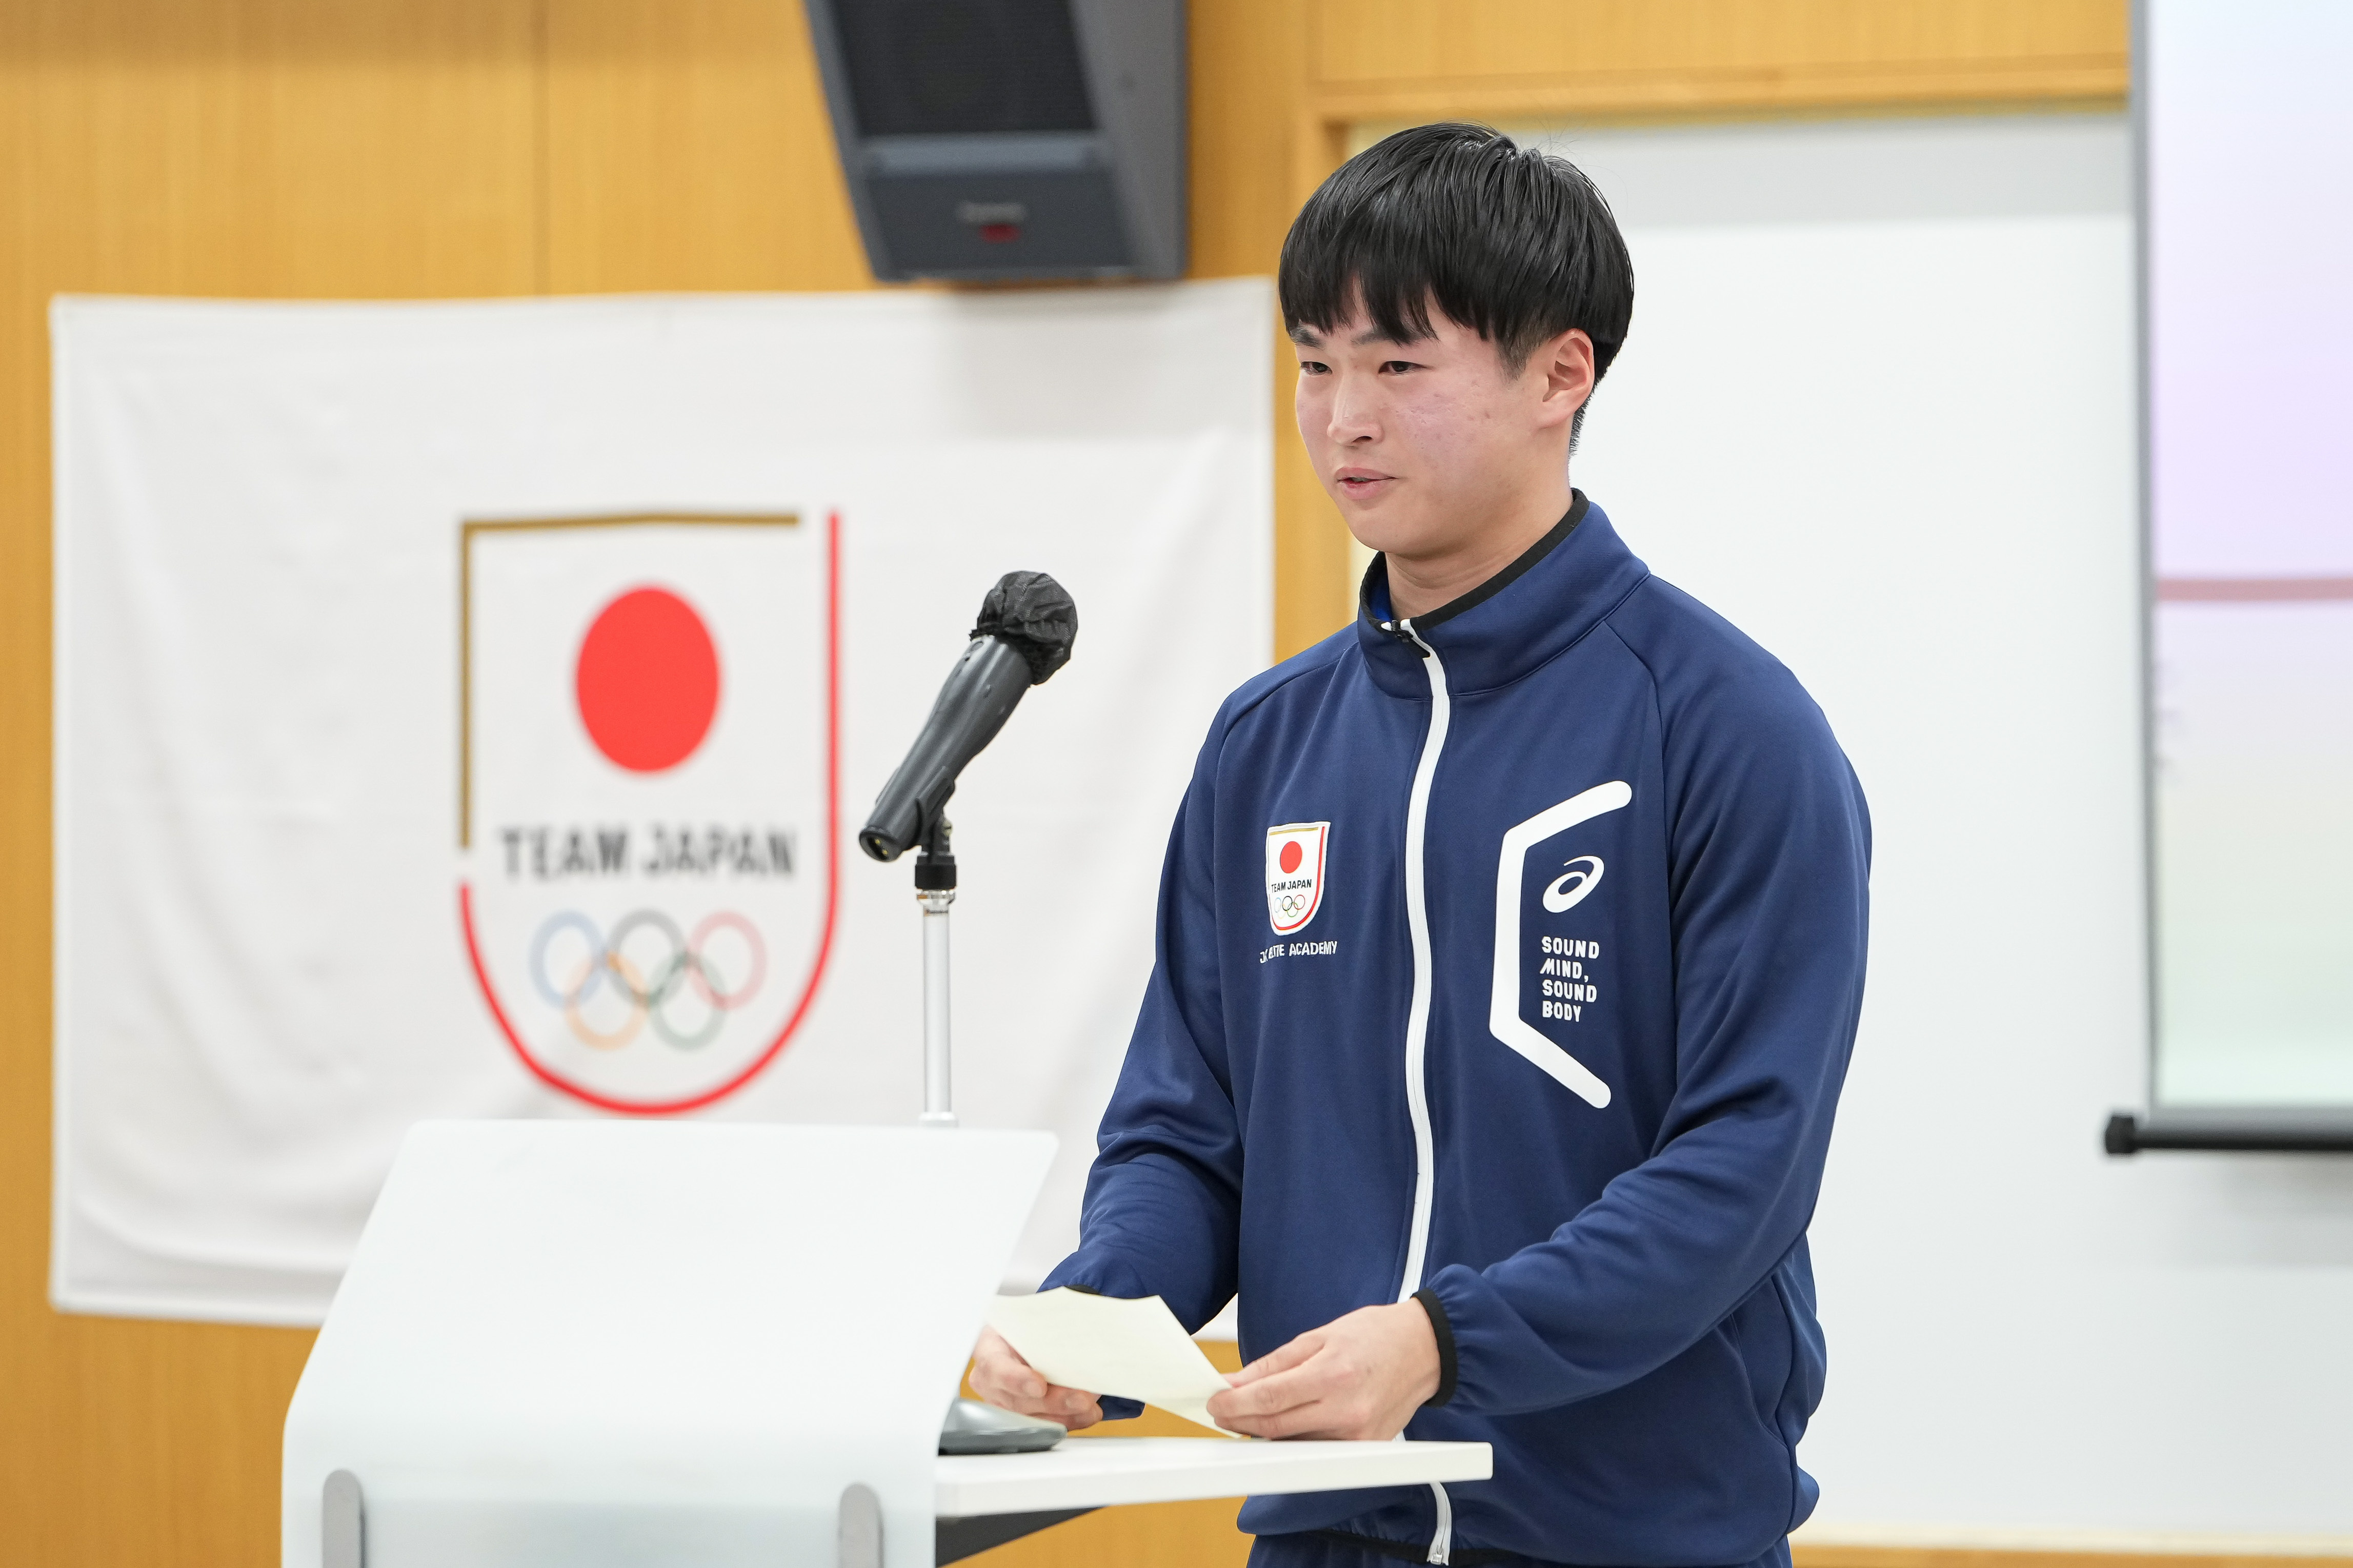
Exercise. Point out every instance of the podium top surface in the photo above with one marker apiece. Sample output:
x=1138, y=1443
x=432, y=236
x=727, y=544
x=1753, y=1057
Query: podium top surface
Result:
x=1103, y=1472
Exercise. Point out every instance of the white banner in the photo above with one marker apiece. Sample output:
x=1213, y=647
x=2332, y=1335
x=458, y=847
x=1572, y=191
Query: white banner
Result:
x=466, y=710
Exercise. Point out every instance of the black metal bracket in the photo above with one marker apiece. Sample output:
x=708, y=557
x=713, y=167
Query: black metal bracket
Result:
x=956, y=1539
x=2232, y=1133
x=936, y=871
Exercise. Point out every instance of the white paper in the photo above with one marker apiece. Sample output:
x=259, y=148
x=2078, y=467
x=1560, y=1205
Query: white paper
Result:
x=1135, y=1347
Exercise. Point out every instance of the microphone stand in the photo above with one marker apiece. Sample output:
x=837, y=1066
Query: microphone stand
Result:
x=1024, y=634
x=935, y=884
x=971, y=1427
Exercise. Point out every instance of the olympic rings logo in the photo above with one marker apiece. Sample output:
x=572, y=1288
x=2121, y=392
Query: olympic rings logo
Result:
x=678, y=967
x=1292, y=903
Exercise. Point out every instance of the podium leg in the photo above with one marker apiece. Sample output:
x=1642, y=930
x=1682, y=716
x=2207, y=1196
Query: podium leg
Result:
x=858, y=1539
x=342, y=1542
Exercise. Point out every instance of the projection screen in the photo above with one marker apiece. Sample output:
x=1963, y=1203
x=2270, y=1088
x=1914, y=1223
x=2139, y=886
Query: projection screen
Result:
x=2246, y=148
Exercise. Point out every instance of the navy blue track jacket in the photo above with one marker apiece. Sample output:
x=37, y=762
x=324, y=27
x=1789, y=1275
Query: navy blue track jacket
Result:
x=1509, y=956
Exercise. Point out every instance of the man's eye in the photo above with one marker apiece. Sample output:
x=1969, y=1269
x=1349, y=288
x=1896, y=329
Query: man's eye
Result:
x=1397, y=366
x=1313, y=367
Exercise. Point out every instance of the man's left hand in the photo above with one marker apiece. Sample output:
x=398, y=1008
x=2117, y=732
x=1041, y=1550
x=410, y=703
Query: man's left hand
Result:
x=1362, y=1376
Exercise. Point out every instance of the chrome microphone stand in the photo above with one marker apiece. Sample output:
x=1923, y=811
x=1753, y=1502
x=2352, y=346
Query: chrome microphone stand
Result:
x=935, y=884
x=971, y=1427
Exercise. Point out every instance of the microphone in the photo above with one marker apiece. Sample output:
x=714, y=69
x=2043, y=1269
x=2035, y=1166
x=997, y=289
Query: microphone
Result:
x=1024, y=634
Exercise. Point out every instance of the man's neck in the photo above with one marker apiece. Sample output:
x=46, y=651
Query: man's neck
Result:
x=1422, y=584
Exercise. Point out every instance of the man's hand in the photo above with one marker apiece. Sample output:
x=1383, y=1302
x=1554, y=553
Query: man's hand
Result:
x=1000, y=1376
x=1362, y=1376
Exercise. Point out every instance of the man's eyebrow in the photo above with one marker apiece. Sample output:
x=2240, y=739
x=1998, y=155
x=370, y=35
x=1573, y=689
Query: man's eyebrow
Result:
x=1309, y=338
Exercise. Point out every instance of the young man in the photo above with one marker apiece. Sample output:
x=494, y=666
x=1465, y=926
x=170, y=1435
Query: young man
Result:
x=1511, y=943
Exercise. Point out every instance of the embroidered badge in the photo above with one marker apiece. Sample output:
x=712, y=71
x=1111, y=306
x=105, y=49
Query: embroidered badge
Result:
x=1294, y=874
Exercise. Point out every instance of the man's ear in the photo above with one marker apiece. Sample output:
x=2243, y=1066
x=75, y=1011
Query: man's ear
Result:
x=1567, y=365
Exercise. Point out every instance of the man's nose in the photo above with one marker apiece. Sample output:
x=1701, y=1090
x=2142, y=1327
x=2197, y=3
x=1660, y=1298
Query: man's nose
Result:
x=1354, y=416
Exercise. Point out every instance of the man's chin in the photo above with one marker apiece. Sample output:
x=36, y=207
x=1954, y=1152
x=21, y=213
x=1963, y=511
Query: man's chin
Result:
x=1379, y=524
x=1387, y=539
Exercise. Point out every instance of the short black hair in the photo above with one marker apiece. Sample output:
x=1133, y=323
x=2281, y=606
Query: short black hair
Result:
x=1510, y=242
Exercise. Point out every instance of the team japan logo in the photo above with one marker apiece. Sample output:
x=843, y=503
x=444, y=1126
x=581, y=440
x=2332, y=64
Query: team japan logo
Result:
x=1294, y=874
x=649, y=794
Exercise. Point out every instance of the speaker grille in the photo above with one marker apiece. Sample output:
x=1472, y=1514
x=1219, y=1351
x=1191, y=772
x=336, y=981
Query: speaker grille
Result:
x=941, y=67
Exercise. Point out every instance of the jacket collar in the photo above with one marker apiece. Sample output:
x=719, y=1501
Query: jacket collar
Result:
x=1555, y=592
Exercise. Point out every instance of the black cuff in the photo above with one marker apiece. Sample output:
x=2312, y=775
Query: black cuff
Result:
x=1445, y=1332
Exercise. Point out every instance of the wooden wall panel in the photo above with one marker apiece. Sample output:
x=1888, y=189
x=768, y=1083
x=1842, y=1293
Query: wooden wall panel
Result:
x=1248, y=64
x=1377, y=41
x=271, y=147
x=688, y=147
x=1392, y=59
x=228, y=147
x=420, y=148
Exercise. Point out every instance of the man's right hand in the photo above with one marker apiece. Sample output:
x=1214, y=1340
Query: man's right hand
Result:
x=1000, y=1376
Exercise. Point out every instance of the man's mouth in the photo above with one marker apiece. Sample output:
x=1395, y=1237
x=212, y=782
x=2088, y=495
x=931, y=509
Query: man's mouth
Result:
x=1357, y=481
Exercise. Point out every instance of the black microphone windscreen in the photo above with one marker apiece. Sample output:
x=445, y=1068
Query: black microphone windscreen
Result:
x=1032, y=614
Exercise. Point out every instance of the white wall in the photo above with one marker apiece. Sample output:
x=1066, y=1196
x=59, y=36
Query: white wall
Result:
x=1877, y=407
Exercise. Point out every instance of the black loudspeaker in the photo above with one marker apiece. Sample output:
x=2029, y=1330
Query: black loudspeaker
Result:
x=991, y=139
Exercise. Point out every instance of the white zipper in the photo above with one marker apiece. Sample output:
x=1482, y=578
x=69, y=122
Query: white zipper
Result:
x=1417, y=1023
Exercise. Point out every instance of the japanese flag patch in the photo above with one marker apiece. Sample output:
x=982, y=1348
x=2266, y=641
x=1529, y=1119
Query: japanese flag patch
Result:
x=1294, y=874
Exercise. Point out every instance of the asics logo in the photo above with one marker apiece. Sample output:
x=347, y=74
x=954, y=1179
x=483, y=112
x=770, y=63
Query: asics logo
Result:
x=1567, y=891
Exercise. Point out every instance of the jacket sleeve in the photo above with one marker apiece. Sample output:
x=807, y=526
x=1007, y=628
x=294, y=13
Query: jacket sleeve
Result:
x=1164, y=1201
x=1768, y=859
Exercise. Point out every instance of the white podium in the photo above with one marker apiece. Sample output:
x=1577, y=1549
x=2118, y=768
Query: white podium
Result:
x=617, y=1345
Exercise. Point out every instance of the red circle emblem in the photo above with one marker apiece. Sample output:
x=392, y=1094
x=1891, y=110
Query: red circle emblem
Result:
x=648, y=680
x=1291, y=856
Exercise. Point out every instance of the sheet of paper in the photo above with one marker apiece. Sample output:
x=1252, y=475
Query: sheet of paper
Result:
x=1135, y=1349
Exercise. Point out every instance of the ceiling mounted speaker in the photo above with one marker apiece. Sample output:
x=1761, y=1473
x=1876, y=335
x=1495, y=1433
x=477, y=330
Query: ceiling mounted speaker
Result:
x=994, y=140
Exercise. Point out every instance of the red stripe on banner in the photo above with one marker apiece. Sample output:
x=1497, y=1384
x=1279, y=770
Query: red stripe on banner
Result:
x=832, y=893
x=2252, y=590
